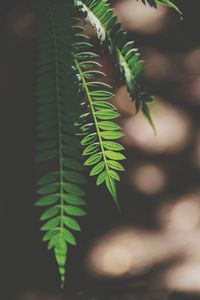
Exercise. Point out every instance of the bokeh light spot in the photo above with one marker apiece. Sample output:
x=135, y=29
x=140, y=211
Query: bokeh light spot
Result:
x=148, y=178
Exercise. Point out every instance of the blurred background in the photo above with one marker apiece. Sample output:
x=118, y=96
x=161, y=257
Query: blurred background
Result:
x=152, y=249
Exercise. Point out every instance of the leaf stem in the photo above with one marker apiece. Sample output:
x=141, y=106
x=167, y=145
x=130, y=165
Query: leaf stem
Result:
x=58, y=101
x=93, y=112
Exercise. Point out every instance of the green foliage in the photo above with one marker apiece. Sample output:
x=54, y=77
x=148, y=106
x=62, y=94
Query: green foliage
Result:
x=76, y=121
x=115, y=40
x=58, y=143
x=154, y=3
x=98, y=124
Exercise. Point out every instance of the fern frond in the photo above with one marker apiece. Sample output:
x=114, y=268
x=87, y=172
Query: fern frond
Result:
x=115, y=39
x=103, y=153
x=154, y=3
x=59, y=146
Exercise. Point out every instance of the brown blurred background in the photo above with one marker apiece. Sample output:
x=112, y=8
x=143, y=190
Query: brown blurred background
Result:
x=151, y=250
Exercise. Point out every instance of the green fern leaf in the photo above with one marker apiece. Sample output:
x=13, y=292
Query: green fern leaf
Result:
x=97, y=125
x=154, y=3
x=115, y=39
x=58, y=143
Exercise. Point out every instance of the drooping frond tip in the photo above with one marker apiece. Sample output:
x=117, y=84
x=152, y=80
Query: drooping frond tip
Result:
x=100, y=131
x=58, y=145
x=154, y=3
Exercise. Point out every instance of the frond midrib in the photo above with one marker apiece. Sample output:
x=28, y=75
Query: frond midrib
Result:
x=60, y=158
x=93, y=112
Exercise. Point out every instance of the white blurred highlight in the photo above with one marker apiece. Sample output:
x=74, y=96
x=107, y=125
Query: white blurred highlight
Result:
x=192, y=61
x=128, y=251
x=182, y=215
x=139, y=17
x=149, y=178
x=173, y=129
x=184, y=277
x=181, y=220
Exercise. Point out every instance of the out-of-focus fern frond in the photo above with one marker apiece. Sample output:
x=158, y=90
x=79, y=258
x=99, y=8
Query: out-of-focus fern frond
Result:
x=154, y=3
x=58, y=145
